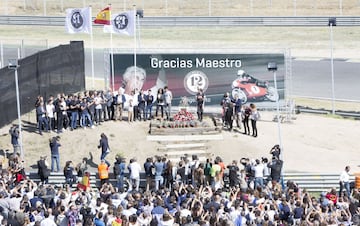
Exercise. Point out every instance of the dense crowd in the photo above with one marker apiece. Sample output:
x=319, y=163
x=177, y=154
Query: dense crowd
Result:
x=188, y=192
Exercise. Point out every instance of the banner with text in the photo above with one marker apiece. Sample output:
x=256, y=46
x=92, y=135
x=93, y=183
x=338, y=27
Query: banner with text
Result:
x=242, y=75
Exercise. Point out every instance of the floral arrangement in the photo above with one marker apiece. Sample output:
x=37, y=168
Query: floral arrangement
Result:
x=183, y=116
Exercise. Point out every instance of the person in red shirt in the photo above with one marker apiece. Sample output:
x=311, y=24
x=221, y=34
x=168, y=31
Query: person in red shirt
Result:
x=332, y=196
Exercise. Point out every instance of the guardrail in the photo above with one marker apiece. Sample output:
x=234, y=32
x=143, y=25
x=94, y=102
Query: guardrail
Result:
x=196, y=21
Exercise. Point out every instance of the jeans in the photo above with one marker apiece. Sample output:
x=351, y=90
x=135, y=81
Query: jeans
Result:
x=84, y=117
x=168, y=111
x=103, y=155
x=74, y=116
x=135, y=183
x=148, y=110
x=98, y=116
x=345, y=185
x=55, y=159
x=43, y=121
x=259, y=181
x=120, y=182
x=159, y=180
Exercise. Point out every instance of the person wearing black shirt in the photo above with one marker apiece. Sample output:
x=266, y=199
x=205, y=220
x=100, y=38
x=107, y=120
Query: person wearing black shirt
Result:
x=149, y=99
x=200, y=104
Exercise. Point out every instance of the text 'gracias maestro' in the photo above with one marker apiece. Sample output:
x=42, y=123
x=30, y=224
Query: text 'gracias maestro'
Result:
x=197, y=63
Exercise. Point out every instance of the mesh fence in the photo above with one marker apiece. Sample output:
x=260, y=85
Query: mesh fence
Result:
x=56, y=70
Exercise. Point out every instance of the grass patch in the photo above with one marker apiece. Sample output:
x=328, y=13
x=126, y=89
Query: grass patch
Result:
x=327, y=104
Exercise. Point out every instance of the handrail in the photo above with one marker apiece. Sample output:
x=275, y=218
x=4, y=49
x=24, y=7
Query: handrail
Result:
x=297, y=21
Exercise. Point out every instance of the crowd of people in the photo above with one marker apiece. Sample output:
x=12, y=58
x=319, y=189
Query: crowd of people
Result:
x=234, y=110
x=187, y=192
x=91, y=108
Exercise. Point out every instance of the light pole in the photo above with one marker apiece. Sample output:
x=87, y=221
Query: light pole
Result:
x=272, y=66
x=13, y=65
x=332, y=22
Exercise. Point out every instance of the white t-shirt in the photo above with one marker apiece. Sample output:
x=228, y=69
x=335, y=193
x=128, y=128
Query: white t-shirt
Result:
x=50, y=108
x=135, y=169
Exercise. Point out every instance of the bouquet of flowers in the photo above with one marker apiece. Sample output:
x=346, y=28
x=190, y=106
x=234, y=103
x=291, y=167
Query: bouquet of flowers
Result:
x=183, y=116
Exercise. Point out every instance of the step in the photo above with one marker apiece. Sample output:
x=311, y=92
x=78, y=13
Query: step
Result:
x=184, y=137
x=188, y=145
x=186, y=152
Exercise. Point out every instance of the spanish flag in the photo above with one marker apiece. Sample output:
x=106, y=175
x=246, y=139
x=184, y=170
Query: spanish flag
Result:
x=103, y=17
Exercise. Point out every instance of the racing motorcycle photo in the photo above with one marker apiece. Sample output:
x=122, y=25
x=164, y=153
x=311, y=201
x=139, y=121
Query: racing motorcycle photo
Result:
x=248, y=88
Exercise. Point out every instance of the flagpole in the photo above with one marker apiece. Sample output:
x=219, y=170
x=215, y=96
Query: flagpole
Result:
x=112, y=52
x=134, y=24
x=92, y=52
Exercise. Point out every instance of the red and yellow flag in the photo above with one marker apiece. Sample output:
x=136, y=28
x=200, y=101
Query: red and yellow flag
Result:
x=103, y=17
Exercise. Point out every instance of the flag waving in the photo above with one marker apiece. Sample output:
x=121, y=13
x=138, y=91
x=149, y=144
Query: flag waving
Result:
x=122, y=23
x=103, y=17
x=78, y=20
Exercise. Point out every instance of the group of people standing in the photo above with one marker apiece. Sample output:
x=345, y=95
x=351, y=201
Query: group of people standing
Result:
x=94, y=107
x=234, y=110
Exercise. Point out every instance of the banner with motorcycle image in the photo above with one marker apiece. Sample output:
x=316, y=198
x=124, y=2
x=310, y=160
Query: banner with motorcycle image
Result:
x=244, y=75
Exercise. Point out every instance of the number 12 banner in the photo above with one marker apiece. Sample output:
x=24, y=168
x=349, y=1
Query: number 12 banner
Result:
x=242, y=75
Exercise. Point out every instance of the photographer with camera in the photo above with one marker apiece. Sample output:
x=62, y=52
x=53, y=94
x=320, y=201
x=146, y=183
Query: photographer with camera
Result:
x=55, y=156
x=14, y=133
x=43, y=170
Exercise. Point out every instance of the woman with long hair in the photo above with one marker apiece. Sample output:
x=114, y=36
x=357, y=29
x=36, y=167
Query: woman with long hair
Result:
x=105, y=149
x=160, y=102
x=254, y=117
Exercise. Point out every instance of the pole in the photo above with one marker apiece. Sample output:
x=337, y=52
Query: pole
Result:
x=279, y=131
x=2, y=53
x=138, y=33
x=332, y=70
x=112, y=52
x=278, y=116
x=135, y=15
x=112, y=61
x=92, y=54
x=18, y=112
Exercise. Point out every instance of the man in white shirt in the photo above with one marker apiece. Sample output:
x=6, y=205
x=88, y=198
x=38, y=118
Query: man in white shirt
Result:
x=258, y=169
x=168, y=98
x=344, y=181
x=47, y=221
x=134, y=169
